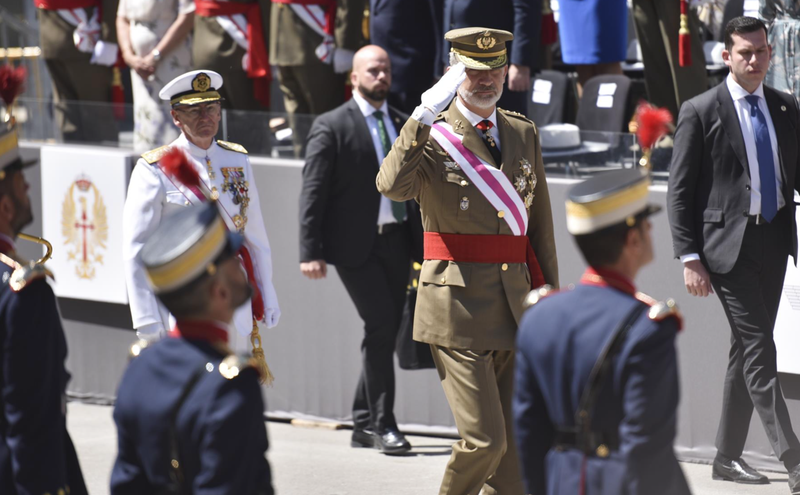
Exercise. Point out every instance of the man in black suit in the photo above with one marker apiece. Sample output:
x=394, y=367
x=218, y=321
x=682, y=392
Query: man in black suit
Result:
x=732, y=216
x=407, y=30
x=523, y=18
x=344, y=221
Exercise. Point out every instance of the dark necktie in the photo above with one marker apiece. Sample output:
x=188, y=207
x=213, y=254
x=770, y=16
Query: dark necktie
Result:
x=398, y=209
x=484, y=126
x=766, y=164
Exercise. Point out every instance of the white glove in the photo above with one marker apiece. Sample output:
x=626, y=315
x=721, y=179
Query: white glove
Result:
x=151, y=333
x=105, y=53
x=440, y=95
x=272, y=316
x=342, y=60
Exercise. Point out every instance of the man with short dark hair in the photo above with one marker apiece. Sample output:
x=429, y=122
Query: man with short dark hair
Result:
x=732, y=214
x=344, y=221
x=596, y=383
x=189, y=412
x=36, y=452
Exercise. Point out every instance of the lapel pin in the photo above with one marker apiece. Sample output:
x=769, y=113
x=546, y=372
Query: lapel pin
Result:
x=783, y=108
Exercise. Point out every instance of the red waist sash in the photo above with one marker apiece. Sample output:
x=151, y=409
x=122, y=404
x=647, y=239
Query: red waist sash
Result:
x=65, y=4
x=470, y=248
x=258, y=61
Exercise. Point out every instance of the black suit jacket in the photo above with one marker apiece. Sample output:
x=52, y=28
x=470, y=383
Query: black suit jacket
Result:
x=339, y=202
x=709, y=183
x=411, y=32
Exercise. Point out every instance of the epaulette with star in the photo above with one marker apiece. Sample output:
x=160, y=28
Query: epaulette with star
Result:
x=661, y=310
x=233, y=365
x=155, y=155
x=537, y=295
x=22, y=275
x=516, y=115
x=231, y=146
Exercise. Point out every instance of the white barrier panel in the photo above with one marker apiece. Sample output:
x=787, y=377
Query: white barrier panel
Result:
x=83, y=192
x=787, y=324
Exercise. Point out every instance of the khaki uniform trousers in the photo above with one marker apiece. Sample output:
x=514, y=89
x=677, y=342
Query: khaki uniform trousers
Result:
x=478, y=386
x=308, y=90
x=668, y=84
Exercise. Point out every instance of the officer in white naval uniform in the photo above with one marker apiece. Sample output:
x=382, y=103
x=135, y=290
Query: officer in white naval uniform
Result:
x=225, y=175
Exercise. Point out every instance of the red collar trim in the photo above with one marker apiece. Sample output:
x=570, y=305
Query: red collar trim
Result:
x=210, y=331
x=6, y=244
x=608, y=278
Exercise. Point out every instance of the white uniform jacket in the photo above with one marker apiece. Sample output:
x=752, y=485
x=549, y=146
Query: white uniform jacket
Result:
x=152, y=195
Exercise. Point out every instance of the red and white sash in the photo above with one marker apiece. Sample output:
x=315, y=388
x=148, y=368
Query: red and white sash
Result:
x=490, y=181
x=87, y=29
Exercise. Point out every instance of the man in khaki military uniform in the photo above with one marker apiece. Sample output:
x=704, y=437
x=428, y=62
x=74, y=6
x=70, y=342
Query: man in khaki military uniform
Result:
x=230, y=38
x=478, y=175
x=79, y=46
x=312, y=43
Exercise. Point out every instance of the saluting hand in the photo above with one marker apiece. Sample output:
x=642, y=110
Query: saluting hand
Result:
x=315, y=269
x=441, y=94
x=696, y=278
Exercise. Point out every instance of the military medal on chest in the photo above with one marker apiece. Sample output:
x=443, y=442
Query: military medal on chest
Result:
x=235, y=183
x=211, y=176
x=528, y=176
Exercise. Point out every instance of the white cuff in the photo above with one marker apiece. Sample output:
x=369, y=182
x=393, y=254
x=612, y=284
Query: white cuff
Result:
x=690, y=257
x=423, y=114
x=150, y=332
x=105, y=53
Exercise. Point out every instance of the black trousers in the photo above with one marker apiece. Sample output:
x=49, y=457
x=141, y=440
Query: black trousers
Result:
x=378, y=289
x=750, y=295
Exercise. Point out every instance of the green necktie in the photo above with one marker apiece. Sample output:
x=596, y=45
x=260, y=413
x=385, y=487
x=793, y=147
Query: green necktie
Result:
x=398, y=209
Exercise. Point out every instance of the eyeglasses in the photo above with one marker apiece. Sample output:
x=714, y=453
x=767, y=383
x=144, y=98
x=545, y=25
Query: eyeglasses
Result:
x=195, y=111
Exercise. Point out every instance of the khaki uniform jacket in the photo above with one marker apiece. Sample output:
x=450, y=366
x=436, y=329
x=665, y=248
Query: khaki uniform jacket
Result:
x=214, y=49
x=292, y=40
x=470, y=305
x=56, y=34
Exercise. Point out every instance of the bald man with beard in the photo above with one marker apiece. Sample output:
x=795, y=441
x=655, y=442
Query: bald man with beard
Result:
x=345, y=222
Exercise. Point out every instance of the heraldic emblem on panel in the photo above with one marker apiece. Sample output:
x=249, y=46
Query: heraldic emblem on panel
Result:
x=84, y=226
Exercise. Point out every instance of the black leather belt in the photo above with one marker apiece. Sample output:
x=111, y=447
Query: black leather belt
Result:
x=759, y=220
x=756, y=219
x=389, y=228
x=595, y=443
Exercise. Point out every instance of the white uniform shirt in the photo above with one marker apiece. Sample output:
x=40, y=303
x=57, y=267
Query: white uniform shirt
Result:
x=152, y=196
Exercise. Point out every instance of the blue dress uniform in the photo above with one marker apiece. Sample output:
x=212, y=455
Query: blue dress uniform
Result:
x=36, y=453
x=596, y=380
x=189, y=413
x=180, y=389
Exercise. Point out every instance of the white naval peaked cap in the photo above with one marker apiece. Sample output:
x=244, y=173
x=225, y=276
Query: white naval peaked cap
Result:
x=197, y=86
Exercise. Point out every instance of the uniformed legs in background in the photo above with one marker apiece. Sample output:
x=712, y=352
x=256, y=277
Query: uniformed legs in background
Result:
x=214, y=49
x=668, y=85
x=308, y=90
x=81, y=90
x=478, y=386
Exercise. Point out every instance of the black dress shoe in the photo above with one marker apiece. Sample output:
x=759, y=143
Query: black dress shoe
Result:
x=363, y=439
x=392, y=442
x=738, y=471
x=794, y=480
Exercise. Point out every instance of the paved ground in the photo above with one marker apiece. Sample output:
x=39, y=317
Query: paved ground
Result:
x=309, y=461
